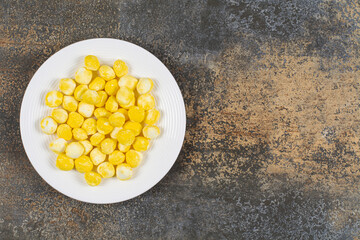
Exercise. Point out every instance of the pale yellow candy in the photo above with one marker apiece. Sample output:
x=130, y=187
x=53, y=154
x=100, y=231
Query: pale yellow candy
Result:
x=115, y=132
x=111, y=87
x=96, y=139
x=117, y=119
x=133, y=126
x=64, y=163
x=60, y=115
x=67, y=86
x=58, y=145
x=123, y=148
x=101, y=113
x=75, y=120
x=141, y=144
x=48, y=125
x=79, y=92
x=103, y=97
x=111, y=104
x=133, y=158
x=97, y=156
x=125, y=112
x=108, y=145
x=126, y=137
x=97, y=84
x=92, y=178
x=116, y=157
x=127, y=106
x=64, y=131
x=106, y=72
x=92, y=62
x=106, y=170
x=91, y=97
x=87, y=146
x=144, y=85
x=86, y=109
x=146, y=101
x=70, y=103
x=79, y=134
x=83, y=164
x=123, y=171
x=124, y=95
x=89, y=126
x=83, y=76
x=136, y=114
x=152, y=116
x=103, y=126
x=128, y=81
x=74, y=150
x=151, y=131
x=120, y=68
x=53, y=98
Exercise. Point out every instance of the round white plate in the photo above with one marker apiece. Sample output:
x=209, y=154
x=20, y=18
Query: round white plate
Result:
x=157, y=160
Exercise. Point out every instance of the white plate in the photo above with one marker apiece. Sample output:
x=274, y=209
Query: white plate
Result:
x=157, y=160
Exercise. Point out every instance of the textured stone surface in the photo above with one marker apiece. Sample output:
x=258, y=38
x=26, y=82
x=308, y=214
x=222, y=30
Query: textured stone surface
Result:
x=272, y=96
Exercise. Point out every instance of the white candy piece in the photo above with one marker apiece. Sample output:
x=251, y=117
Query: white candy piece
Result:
x=48, y=125
x=86, y=109
x=58, y=145
x=74, y=150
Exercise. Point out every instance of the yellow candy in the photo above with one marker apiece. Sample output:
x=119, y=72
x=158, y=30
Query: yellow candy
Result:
x=103, y=97
x=128, y=81
x=124, y=95
x=91, y=97
x=152, y=116
x=120, y=68
x=64, y=131
x=79, y=92
x=123, y=148
x=111, y=104
x=106, y=72
x=92, y=178
x=64, y=163
x=108, y=145
x=86, y=109
x=75, y=120
x=136, y=114
x=89, y=126
x=117, y=119
x=97, y=156
x=144, y=85
x=106, y=170
x=70, y=103
x=123, y=171
x=133, y=158
x=74, y=150
x=53, y=98
x=83, y=164
x=133, y=126
x=116, y=157
x=87, y=146
x=115, y=132
x=58, y=145
x=79, y=134
x=83, y=76
x=97, y=84
x=101, y=113
x=111, y=87
x=126, y=137
x=127, y=106
x=96, y=139
x=141, y=144
x=60, y=115
x=125, y=112
x=103, y=126
x=151, y=132
x=146, y=101
x=48, y=125
x=92, y=62
x=67, y=86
